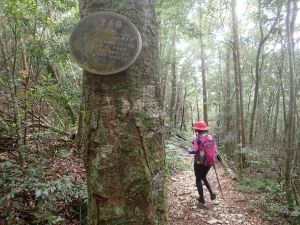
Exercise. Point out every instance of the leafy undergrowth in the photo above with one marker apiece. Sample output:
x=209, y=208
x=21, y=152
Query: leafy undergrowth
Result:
x=49, y=189
x=272, y=199
x=176, y=151
x=262, y=175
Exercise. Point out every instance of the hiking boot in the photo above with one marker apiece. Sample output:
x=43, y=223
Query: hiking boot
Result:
x=201, y=200
x=213, y=196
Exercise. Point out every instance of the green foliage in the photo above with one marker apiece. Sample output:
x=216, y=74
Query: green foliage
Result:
x=260, y=184
x=272, y=198
x=46, y=196
x=175, y=155
x=64, y=5
x=255, y=158
x=276, y=211
x=47, y=218
x=3, y=79
x=63, y=98
x=19, y=9
x=64, y=154
x=174, y=161
x=296, y=216
x=42, y=30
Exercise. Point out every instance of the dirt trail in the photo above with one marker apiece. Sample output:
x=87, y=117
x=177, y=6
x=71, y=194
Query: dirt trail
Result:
x=237, y=208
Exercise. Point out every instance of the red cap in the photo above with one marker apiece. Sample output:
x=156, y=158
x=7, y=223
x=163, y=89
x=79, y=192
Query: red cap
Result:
x=201, y=125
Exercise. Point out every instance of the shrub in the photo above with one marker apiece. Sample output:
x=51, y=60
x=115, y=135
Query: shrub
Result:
x=30, y=198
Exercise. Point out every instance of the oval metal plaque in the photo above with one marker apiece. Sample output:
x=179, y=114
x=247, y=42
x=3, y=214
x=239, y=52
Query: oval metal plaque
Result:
x=105, y=43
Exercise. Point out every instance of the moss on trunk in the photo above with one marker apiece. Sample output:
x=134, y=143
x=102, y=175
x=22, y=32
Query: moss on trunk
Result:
x=123, y=139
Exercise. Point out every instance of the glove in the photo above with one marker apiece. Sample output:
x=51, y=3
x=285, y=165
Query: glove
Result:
x=219, y=158
x=192, y=151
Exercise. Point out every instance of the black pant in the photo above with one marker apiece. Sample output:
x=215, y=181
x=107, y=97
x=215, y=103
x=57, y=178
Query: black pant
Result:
x=200, y=173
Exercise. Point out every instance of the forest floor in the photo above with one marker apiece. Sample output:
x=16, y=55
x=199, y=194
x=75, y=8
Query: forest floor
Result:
x=235, y=208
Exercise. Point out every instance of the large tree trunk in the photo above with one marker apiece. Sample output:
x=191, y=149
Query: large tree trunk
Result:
x=123, y=135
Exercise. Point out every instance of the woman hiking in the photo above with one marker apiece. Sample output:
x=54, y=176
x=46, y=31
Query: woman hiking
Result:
x=204, y=151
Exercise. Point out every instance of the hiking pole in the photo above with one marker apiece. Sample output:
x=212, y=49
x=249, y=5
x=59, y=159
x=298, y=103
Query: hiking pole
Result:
x=219, y=182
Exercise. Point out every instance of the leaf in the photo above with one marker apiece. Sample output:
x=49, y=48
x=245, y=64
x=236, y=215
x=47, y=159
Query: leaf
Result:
x=38, y=193
x=295, y=213
x=57, y=220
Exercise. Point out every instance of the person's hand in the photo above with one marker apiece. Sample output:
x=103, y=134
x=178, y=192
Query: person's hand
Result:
x=192, y=151
x=219, y=158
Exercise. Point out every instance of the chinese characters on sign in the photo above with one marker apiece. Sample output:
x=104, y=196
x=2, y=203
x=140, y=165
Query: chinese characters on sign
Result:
x=105, y=43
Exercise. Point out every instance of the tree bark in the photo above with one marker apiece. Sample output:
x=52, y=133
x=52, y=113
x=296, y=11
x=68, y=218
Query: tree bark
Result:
x=279, y=66
x=164, y=74
x=123, y=139
x=183, y=125
x=289, y=138
x=274, y=129
x=227, y=108
x=227, y=105
x=174, y=79
x=79, y=134
x=165, y=66
x=178, y=103
x=203, y=69
x=238, y=79
x=198, y=110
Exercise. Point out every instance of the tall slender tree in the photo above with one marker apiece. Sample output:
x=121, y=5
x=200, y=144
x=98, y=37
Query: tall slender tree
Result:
x=174, y=78
x=258, y=61
x=227, y=100
x=289, y=138
x=238, y=78
x=203, y=67
x=11, y=71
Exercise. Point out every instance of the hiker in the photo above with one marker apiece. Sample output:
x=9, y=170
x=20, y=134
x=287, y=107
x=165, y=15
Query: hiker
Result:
x=204, y=151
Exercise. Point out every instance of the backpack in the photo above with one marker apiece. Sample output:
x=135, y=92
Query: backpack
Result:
x=207, y=151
